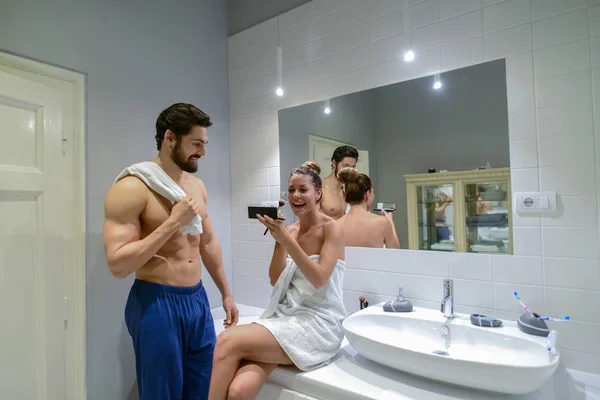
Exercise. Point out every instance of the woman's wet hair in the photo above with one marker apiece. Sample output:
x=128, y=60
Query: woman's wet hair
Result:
x=356, y=185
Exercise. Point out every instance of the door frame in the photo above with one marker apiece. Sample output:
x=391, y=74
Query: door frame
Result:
x=77, y=243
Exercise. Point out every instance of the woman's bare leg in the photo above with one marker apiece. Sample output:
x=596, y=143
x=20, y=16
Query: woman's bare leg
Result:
x=251, y=342
x=249, y=380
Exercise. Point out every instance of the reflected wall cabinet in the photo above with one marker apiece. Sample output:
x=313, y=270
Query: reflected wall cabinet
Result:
x=464, y=211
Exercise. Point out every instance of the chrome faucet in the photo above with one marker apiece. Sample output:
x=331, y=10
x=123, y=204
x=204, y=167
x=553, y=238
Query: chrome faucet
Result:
x=448, y=299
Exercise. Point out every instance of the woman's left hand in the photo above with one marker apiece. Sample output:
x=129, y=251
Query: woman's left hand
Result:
x=277, y=228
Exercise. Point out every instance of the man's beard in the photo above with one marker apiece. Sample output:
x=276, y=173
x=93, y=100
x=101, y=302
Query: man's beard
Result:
x=189, y=164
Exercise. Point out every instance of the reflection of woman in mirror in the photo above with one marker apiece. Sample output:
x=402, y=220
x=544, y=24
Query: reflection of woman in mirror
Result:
x=483, y=207
x=442, y=201
x=302, y=324
x=361, y=227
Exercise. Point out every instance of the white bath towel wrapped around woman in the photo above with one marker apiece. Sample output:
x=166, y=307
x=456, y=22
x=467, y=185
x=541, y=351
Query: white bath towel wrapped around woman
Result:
x=307, y=322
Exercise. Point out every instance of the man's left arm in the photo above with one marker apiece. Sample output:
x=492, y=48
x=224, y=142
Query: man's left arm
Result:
x=212, y=257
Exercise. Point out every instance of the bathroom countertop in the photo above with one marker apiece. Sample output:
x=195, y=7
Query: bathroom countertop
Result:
x=351, y=376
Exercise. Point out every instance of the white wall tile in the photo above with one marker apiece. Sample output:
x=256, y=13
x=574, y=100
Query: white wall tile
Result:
x=571, y=242
x=564, y=89
x=518, y=269
x=257, y=195
x=569, y=181
x=574, y=273
x=425, y=63
x=239, y=214
x=385, y=260
x=560, y=29
x=507, y=42
x=311, y=10
x=506, y=15
x=386, y=26
x=524, y=153
x=389, y=284
x=460, y=28
x=527, y=241
x=575, y=211
x=525, y=180
x=521, y=124
x=253, y=35
x=360, y=280
x=241, y=266
x=274, y=177
x=520, y=96
x=342, y=62
x=387, y=49
x=566, y=119
x=563, y=58
x=519, y=68
x=424, y=13
x=578, y=336
x=259, y=269
x=581, y=361
x=259, y=177
x=240, y=232
x=461, y=54
x=426, y=38
x=428, y=288
x=595, y=20
x=578, y=304
x=532, y=296
x=453, y=8
x=471, y=266
x=548, y=8
x=429, y=263
x=237, y=93
x=566, y=150
x=241, y=249
x=474, y=293
x=239, y=196
x=261, y=251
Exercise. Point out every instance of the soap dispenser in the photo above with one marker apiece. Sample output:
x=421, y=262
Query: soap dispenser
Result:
x=400, y=304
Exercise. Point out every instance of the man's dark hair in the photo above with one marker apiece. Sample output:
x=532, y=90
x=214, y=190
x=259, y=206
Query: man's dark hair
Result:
x=344, y=151
x=180, y=118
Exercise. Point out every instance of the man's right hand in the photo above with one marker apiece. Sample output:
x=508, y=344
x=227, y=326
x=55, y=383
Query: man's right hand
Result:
x=185, y=211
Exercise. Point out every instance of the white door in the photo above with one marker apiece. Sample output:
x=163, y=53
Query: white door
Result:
x=33, y=227
x=322, y=149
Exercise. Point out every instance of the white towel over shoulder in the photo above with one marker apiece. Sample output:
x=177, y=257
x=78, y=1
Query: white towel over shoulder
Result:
x=160, y=182
x=305, y=321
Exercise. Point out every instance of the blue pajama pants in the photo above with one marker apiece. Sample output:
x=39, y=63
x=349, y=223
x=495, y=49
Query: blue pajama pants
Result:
x=173, y=339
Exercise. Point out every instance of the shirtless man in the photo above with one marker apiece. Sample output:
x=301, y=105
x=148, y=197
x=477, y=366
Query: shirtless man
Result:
x=334, y=203
x=167, y=312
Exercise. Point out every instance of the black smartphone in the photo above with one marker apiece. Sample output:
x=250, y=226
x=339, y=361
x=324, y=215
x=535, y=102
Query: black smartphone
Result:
x=388, y=207
x=261, y=210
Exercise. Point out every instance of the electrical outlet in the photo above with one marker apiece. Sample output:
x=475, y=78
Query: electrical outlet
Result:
x=535, y=203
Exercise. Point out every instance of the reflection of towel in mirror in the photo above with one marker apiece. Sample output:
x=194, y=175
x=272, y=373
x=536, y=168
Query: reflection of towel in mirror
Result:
x=305, y=321
x=158, y=181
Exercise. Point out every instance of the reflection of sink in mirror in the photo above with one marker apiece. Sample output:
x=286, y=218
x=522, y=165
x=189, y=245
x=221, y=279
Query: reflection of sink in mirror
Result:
x=424, y=343
x=409, y=128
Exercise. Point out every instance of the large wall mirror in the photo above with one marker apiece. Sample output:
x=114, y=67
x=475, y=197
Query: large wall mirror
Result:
x=436, y=148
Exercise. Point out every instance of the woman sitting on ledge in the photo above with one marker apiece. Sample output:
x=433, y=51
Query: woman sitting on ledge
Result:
x=302, y=325
x=361, y=227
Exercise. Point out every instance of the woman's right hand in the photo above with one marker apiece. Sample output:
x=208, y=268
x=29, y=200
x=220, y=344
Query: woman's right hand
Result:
x=185, y=211
x=388, y=215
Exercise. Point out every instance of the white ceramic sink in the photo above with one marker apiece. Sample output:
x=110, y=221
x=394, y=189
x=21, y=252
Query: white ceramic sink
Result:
x=503, y=360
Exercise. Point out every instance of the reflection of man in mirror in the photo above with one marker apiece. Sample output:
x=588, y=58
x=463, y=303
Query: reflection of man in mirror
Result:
x=333, y=202
x=442, y=201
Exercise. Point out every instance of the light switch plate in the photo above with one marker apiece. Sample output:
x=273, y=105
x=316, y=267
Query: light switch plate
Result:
x=532, y=203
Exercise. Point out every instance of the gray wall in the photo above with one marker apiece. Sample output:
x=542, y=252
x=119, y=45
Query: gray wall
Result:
x=139, y=57
x=352, y=120
x=459, y=127
x=244, y=14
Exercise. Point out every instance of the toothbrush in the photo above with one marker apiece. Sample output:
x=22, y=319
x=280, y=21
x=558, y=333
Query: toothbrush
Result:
x=519, y=300
x=565, y=318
